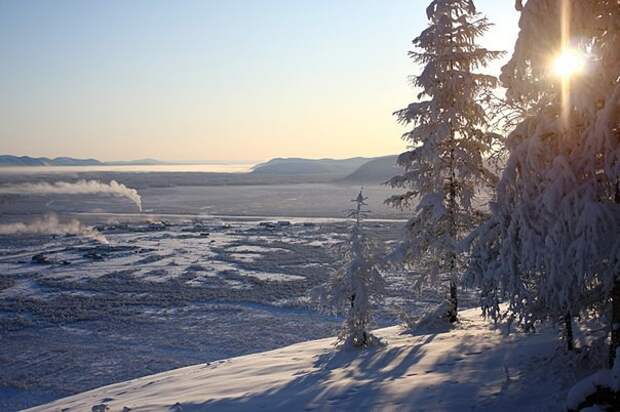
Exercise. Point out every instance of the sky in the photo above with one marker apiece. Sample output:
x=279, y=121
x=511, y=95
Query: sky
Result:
x=219, y=80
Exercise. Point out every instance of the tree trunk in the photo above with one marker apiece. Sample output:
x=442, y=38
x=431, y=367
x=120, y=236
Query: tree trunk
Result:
x=452, y=314
x=568, y=332
x=615, y=322
x=452, y=205
x=452, y=317
x=614, y=344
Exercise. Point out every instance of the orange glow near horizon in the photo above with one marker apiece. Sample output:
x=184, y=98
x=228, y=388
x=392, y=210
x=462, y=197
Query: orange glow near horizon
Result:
x=226, y=81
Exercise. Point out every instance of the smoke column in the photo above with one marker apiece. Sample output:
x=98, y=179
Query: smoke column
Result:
x=50, y=225
x=80, y=187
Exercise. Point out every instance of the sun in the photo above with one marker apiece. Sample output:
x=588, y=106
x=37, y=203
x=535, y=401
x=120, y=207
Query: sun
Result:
x=568, y=63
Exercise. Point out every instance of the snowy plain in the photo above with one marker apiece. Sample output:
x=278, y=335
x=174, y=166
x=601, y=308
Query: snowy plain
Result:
x=179, y=284
x=209, y=273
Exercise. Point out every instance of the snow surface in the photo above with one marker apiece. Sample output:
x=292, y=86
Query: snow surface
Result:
x=473, y=367
x=606, y=379
x=175, y=288
x=170, y=290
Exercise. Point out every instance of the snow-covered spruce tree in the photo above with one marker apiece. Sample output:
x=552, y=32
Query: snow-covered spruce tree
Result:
x=358, y=284
x=511, y=237
x=444, y=168
x=552, y=245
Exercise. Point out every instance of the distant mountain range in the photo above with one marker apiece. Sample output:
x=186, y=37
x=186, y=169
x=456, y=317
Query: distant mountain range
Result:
x=140, y=162
x=357, y=170
x=9, y=160
x=377, y=170
x=294, y=166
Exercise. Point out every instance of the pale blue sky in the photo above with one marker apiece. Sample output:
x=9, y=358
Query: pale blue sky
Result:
x=211, y=80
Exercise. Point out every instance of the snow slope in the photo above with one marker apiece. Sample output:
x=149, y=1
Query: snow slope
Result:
x=473, y=367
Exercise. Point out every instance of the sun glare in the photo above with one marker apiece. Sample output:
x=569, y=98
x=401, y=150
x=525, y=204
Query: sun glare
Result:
x=568, y=63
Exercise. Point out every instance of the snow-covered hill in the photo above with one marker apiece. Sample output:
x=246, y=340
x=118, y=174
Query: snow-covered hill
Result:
x=376, y=171
x=293, y=166
x=473, y=367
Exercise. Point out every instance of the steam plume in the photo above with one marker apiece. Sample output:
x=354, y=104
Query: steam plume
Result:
x=80, y=187
x=50, y=225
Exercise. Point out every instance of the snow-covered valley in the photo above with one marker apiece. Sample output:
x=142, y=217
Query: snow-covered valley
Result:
x=168, y=290
x=180, y=288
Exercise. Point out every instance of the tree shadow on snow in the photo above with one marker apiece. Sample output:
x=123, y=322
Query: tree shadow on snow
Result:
x=365, y=371
x=470, y=375
x=437, y=328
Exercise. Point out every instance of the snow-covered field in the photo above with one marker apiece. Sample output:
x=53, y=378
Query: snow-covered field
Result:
x=170, y=289
x=185, y=283
x=473, y=367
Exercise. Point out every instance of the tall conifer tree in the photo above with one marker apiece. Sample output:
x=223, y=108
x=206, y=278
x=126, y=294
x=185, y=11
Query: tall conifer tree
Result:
x=444, y=168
